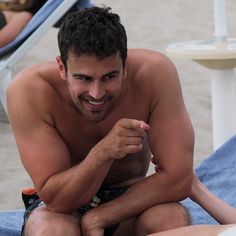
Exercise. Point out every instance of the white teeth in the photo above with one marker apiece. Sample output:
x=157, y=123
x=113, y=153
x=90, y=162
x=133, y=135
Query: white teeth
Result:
x=96, y=103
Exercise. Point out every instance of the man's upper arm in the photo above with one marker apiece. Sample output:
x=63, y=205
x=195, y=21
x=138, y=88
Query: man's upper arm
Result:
x=171, y=135
x=42, y=150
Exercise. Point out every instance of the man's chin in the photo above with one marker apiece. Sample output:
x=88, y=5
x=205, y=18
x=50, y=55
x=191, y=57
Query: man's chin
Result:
x=96, y=116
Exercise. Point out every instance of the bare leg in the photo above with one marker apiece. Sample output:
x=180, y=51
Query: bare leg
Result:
x=160, y=218
x=126, y=228
x=16, y=21
x=46, y=223
x=195, y=230
x=155, y=219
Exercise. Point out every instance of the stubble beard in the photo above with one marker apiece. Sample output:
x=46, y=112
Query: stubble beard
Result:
x=95, y=116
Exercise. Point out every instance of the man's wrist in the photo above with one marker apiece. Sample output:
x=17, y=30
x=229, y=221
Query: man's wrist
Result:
x=92, y=219
x=101, y=155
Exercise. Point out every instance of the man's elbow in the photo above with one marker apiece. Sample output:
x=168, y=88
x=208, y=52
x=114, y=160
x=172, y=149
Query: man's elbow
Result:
x=58, y=202
x=183, y=187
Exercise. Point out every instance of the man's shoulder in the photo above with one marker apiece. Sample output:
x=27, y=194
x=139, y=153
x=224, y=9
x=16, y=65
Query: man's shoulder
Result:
x=31, y=95
x=34, y=78
x=147, y=57
x=150, y=73
x=33, y=85
x=148, y=65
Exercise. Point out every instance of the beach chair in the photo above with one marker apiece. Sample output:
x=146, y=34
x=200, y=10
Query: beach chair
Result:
x=218, y=173
x=41, y=22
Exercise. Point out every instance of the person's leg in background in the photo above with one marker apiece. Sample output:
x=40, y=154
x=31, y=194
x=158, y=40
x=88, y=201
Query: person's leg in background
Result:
x=12, y=24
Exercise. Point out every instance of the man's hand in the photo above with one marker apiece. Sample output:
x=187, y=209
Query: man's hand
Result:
x=91, y=225
x=126, y=137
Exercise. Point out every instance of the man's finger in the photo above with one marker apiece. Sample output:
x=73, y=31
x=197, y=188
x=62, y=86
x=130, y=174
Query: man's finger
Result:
x=144, y=126
x=135, y=133
x=135, y=124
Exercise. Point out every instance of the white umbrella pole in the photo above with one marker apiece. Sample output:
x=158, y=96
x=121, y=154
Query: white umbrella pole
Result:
x=223, y=106
x=219, y=56
x=223, y=85
x=220, y=21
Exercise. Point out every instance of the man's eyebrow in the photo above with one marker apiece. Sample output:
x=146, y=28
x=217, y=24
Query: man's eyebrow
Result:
x=81, y=75
x=112, y=73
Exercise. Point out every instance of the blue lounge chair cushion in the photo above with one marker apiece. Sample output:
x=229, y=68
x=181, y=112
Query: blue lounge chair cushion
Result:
x=218, y=173
x=11, y=222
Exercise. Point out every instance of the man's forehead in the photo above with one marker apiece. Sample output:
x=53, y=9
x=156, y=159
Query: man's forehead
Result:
x=74, y=57
x=93, y=61
x=94, y=66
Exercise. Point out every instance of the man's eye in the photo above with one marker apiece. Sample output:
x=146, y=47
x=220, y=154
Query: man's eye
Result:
x=83, y=78
x=108, y=77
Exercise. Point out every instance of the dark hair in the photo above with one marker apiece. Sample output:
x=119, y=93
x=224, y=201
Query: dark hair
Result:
x=94, y=31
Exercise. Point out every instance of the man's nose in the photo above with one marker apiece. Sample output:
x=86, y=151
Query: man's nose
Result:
x=97, y=91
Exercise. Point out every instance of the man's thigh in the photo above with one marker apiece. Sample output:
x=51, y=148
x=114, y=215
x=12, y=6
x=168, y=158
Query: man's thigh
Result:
x=126, y=228
x=44, y=222
x=155, y=219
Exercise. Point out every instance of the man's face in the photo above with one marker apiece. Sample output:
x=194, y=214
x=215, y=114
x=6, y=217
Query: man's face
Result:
x=94, y=84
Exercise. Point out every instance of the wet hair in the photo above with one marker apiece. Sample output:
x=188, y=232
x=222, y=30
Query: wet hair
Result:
x=94, y=31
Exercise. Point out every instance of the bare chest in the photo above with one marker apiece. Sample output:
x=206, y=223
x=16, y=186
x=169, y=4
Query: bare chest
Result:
x=81, y=139
x=80, y=136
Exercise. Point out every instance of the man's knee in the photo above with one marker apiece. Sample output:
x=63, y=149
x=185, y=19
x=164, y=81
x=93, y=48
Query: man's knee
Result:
x=162, y=217
x=43, y=222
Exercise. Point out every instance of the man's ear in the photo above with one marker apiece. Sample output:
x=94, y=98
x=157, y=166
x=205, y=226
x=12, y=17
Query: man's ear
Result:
x=61, y=68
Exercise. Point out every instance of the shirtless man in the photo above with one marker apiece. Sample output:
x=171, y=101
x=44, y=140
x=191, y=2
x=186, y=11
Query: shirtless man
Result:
x=85, y=133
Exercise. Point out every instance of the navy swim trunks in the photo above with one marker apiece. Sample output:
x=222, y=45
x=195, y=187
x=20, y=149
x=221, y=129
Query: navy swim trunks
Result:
x=3, y=20
x=32, y=201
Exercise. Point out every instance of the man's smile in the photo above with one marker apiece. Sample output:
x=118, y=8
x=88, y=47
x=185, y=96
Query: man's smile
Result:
x=95, y=104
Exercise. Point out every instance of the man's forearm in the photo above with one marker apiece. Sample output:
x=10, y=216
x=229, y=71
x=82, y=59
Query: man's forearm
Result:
x=77, y=185
x=148, y=192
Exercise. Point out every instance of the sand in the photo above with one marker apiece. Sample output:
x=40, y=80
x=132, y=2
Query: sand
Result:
x=151, y=24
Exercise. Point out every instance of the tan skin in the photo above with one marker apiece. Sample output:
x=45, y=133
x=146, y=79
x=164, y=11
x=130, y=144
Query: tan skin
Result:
x=70, y=153
x=221, y=211
x=16, y=21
